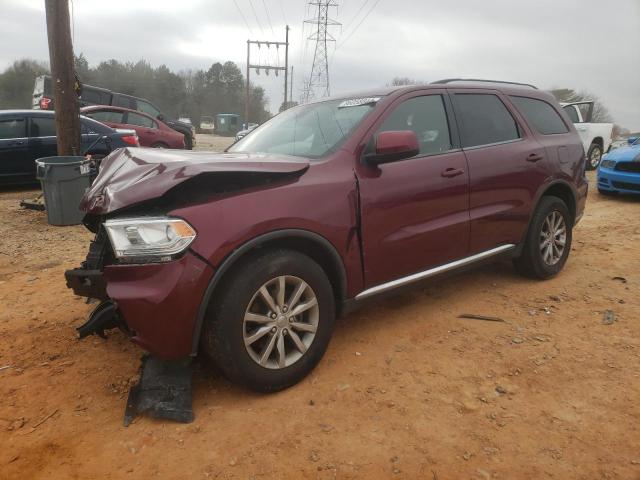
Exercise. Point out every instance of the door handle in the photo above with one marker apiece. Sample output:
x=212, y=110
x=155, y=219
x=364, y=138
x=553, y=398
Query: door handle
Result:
x=534, y=157
x=452, y=172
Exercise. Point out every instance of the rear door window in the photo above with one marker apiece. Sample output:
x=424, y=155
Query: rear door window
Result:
x=94, y=96
x=540, y=115
x=147, y=108
x=427, y=117
x=485, y=120
x=139, y=120
x=12, y=128
x=43, y=127
x=111, y=116
x=122, y=101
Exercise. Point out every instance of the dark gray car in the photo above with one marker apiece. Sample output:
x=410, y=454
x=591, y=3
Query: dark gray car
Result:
x=26, y=135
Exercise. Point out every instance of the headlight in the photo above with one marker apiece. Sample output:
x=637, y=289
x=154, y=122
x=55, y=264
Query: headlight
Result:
x=608, y=164
x=149, y=239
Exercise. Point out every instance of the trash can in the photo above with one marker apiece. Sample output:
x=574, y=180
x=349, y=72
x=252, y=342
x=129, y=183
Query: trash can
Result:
x=64, y=181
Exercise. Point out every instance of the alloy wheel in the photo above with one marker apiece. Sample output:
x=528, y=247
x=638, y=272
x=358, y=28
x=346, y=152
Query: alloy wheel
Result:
x=595, y=157
x=280, y=322
x=553, y=238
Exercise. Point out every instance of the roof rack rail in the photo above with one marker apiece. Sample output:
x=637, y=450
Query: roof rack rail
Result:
x=449, y=80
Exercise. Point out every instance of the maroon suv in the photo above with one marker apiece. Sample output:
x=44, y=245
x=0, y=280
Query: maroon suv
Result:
x=250, y=255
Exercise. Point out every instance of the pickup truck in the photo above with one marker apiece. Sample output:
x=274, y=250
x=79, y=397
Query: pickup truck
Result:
x=596, y=137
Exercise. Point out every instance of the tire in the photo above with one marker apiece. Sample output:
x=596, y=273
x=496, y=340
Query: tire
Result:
x=188, y=142
x=225, y=330
x=531, y=262
x=594, y=156
x=159, y=145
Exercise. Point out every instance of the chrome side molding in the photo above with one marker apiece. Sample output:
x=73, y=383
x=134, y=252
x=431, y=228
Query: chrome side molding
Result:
x=384, y=287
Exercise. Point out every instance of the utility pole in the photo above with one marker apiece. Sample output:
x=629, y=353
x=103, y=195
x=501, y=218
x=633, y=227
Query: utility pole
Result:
x=266, y=68
x=63, y=79
x=319, y=77
x=291, y=85
x=286, y=65
x=247, y=92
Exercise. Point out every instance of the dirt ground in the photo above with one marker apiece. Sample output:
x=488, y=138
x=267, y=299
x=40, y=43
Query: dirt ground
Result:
x=406, y=390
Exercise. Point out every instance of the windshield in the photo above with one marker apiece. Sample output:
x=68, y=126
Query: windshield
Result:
x=310, y=131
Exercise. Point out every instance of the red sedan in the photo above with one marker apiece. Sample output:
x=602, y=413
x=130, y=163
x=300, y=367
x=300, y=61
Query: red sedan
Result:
x=151, y=131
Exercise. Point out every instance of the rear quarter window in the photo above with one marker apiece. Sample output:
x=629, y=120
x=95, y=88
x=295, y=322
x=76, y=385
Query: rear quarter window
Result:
x=485, y=120
x=540, y=115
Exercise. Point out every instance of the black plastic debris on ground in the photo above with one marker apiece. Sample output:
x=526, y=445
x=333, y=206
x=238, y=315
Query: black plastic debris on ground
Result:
x=35, y=204
x=164, y=391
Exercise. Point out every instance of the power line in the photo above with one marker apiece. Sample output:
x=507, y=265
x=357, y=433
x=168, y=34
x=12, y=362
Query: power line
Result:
x=284, y=15
x=256, y=15
x=243, y=17
x=358, y=26
x=350, y=22
x=268, y=17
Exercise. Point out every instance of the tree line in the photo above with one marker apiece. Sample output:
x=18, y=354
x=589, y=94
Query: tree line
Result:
x=190, y=93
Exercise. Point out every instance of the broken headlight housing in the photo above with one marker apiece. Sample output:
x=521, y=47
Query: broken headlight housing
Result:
x=149, y=239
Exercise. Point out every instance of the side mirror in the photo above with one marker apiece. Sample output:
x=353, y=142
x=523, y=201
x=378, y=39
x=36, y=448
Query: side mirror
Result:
x=393, y=146
x=161, y=117
x=632, y=140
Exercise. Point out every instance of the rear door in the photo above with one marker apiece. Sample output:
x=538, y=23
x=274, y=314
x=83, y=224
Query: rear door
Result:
x=415, y=211
x=144, y=126
x=13, y=147
x=112, y=118
x=563, y=147
x=506, y=167
x=42, y=137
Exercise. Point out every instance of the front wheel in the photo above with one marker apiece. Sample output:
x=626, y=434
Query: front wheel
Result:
x=548, y=240
x=271, y=323
x=594, y=155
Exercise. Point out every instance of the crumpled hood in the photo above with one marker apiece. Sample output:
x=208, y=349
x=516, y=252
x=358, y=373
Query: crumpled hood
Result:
x=133, y=175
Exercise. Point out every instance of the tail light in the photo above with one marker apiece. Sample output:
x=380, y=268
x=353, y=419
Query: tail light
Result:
x=131, y=140
x=44, y=103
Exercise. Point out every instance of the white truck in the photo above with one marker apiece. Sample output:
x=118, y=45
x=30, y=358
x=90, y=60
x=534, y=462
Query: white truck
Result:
x=596, y=137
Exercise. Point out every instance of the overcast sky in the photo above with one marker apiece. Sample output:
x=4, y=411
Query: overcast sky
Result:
x=592, y=45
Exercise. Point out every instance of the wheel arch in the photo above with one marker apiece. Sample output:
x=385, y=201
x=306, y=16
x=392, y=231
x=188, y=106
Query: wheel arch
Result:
x=309, y=243
x=598, y=141
x=557, y=188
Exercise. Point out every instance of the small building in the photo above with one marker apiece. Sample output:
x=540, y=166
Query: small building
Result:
x=227, y=124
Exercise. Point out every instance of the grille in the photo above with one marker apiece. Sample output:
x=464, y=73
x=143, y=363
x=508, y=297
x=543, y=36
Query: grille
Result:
x=627, y=186
x=633, y=167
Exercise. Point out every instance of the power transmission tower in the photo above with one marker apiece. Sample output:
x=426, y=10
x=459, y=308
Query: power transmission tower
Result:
x=318, y=84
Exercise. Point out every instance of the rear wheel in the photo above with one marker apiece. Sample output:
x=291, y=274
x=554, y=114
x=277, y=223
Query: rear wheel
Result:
x=594, y=156
x=271, y=323
x=159, y=145
x=188, y=142
x=548, y=240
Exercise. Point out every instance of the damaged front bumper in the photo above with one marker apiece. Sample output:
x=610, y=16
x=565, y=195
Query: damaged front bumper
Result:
x=157, y=303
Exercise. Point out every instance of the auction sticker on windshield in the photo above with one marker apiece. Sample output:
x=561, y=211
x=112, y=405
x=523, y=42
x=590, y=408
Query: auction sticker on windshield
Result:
x=356, y=102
